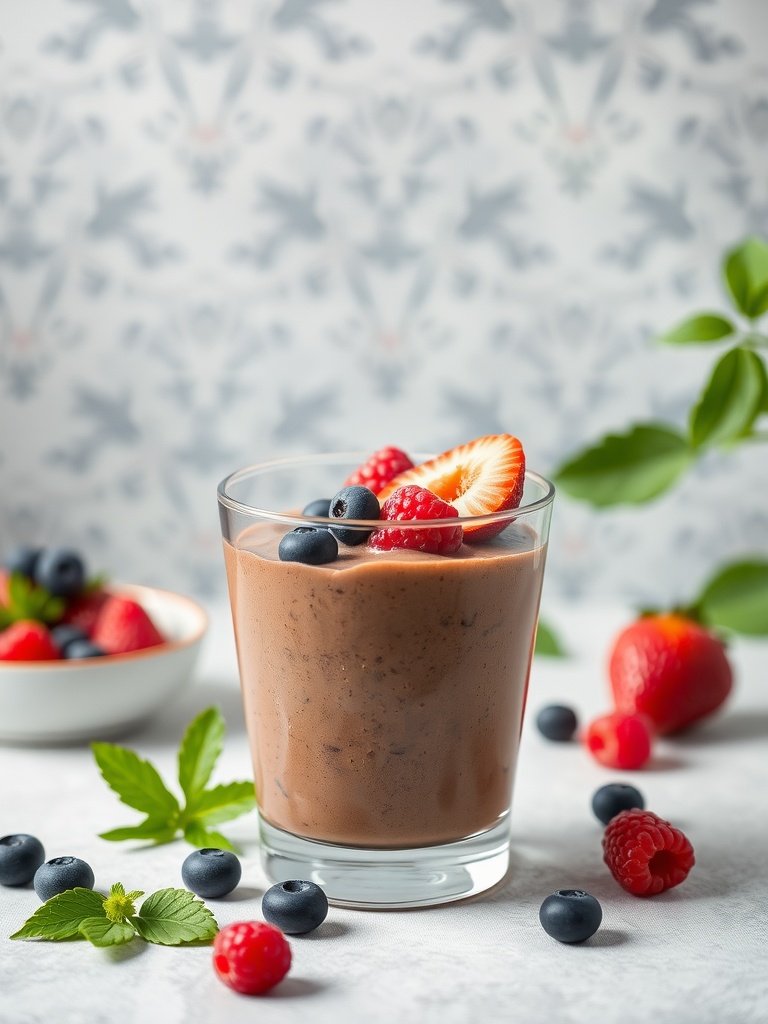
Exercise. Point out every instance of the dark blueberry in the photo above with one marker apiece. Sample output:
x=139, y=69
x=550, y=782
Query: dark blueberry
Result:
x=614, y=797
x=20, y=857
x=22, y=560
x=557, y=722
x=83, y=649
x=309, y=544
x=60, y=874
x=61, y=572
x=354, y=502
x=295, y=907
x=318, y=507
x=211, y=873
x=65, y=634
x=570, y=915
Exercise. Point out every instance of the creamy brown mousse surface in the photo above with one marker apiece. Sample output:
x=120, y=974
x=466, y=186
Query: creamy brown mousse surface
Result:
x=383, y=692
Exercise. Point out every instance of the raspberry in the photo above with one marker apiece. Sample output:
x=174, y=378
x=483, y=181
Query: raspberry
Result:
x=619, y=741
x=412, y=502
x=383, y=466
x=27, y=641
x=251, y=956
x=645, y=854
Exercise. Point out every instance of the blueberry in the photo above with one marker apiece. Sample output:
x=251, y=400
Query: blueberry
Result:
x=570, y=915
x=60, y=874
x=354, y=503
x=318, y=507
x=83, y=649
x=65, y=634
x=308, y=544
x=22, y=560
x=211, y=873
x=61, y=572
x=557, y=722
x=295, y=907
x=614, y=797
x=20, y=857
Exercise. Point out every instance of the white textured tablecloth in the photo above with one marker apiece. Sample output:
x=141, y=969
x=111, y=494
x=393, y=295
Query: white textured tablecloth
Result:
x=698, y=953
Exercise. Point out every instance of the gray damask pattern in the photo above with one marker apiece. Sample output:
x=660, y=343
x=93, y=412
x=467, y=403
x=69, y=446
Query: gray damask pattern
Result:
x=238, y=228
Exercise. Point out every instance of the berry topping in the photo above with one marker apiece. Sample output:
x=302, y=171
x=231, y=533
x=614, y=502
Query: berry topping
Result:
x=295, y=907
x=211, y=873
x=309, y=544
x=83, y=649
x=20, y=857
x=619, y=741
x=124, y=626
x=609, y=800
x=251, y=957
x=318, y=507
x=353, y=502
x=27, y=641
x=671, y=669
x=557, y=722
x=85, y=609
x=383, y=466
x=570, y=915
x=60, y=874
x=61, y=572
x=22, y=560
x=484, y=476
x=645, y=854
x=412, y=502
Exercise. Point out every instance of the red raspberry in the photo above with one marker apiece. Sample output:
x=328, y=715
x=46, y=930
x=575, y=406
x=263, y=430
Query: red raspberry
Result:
x=27, y=641
x=646, y=854
x=619, y=741
x=383, y=466
x=412, y=502
x=251, y=956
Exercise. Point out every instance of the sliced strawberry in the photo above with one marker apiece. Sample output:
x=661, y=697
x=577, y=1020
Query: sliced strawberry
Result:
x=383, y=466
x=27, y=641
x=483, y=476
x=84, y=610
x=124, y=626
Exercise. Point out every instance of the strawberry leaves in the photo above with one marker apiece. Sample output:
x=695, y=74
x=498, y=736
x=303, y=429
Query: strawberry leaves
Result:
x=139, y=785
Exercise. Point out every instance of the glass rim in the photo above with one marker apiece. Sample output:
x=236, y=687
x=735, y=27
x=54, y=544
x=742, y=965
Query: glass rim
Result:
x=356, y=458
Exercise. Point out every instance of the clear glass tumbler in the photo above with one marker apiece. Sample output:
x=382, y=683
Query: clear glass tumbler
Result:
x=384, y=691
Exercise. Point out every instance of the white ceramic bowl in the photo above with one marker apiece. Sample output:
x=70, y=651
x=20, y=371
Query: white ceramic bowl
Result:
x=96, y=698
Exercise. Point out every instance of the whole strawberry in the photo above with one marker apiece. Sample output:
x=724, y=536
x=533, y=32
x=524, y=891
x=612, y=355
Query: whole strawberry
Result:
x=123, y=626
x=670, y=668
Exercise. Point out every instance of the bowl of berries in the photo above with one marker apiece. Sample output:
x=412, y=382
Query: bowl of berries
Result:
x=81, y=659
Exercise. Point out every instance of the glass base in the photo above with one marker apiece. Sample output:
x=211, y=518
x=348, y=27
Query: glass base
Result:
x=381, y=879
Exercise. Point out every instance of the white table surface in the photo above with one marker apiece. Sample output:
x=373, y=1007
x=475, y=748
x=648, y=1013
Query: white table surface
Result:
x=698, y=953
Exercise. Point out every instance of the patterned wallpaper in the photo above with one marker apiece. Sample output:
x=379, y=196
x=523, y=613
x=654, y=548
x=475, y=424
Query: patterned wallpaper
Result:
x=232, y=229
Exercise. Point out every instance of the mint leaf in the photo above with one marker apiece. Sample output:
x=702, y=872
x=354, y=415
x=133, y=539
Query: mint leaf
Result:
x=223, y=803
x=731, y=399
x=102, y=932
x=198, y=835
x=199, y=751
x=135, y=781
x=61, y=916
x=26, y=600
x=736, y=598
x=156, y=829
x=173, y=916
x=547, y=642
x=703, y=327
x=746, y=276
x=627, y=468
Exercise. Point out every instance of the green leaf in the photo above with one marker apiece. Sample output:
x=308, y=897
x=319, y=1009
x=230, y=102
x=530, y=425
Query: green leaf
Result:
x=28, y=601
x=156, y=829
x=102, y=932
x=547, y=642
x=627, y=468
x=702, y=327
x=199, y=750
x=173, y=916
x=731, y=399
x=736, y=598
x=223, y=803
x=61, y=916
x=746, y=276
x=135, y=781
x=198, y=835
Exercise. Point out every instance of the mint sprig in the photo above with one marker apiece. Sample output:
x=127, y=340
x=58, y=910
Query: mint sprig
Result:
x=26, y=600
x=169, y=917
x=139, y=785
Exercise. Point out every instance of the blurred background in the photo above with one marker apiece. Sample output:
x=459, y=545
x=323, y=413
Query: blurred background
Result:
x=232, y=229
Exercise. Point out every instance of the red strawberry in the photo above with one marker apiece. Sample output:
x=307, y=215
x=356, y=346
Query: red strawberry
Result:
x=483, y=476
x=671, y=669
x=409, y=503
x=84, y=610
x=383, y=466
x=124, y=626
x=27, y=641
